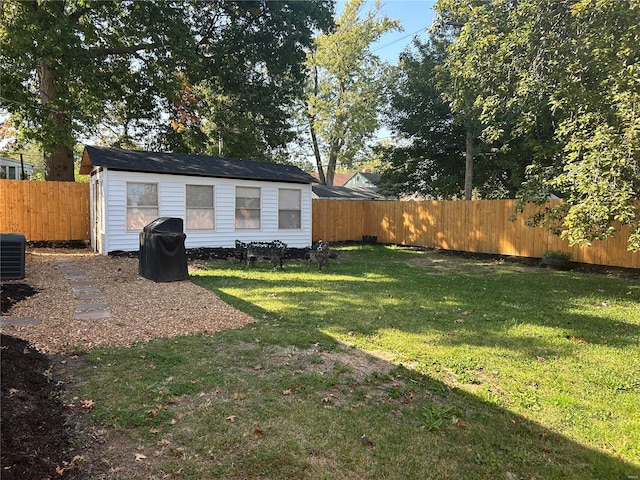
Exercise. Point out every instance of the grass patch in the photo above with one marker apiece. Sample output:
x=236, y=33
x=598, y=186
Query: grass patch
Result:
x=394, y=364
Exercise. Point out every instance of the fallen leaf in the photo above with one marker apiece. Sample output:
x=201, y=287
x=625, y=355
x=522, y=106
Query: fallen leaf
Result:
x=59, y=470
x=86, y=403
x=232, y=418
x=286, y=392
x=459, y=320
x=258, y=431
x=163, y=442
x=466, y=313
x=576, y=339
x=140, y=457
x=257, y=367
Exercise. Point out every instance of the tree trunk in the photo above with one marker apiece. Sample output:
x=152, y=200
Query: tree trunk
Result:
x=58, y=166
x=333, y=161
x=316, y=151
x=58, y=158
x=468, y=169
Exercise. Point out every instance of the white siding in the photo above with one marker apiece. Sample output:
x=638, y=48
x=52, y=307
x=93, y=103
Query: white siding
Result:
x=171, y=203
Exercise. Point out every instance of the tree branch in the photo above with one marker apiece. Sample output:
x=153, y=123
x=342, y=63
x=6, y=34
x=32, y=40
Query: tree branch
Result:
x=75, y=16
x=131, y=49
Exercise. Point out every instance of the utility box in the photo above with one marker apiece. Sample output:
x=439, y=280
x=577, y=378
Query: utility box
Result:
x=162, y=256
x=12, y=256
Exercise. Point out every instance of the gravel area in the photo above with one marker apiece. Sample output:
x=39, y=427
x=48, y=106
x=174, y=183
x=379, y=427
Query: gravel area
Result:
x=140, y=309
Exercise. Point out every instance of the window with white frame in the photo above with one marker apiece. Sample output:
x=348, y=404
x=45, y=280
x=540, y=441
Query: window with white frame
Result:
x=289, y=209
x=142, y=204
x=247, y=207
x=200, y=207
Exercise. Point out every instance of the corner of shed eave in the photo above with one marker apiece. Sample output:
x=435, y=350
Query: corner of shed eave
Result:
x=85, y=164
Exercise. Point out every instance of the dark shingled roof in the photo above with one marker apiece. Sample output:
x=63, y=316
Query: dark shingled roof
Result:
x=187, y=164
x=345, y=193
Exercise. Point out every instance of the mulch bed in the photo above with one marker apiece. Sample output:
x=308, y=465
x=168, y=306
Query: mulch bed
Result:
x=34, y=436
x=34, y=442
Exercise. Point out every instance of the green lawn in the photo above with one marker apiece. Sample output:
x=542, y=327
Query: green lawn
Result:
x=449, y=368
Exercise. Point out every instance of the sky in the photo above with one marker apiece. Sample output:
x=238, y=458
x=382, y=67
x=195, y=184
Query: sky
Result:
x=416, y=16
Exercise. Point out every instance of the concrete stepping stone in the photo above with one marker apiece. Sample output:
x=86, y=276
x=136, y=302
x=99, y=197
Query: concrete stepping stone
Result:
x=91, y=296
x=75, y=276
x=92, y=315
x=82, y=281
x=18, y=321
x=87, y=289
x=86, y=307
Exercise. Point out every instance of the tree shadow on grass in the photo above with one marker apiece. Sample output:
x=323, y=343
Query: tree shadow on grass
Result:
x=475, y=438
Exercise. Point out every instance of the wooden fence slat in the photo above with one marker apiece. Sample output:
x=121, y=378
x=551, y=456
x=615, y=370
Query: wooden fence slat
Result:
x=61, y=211
x=45, y=210
x=483, y=226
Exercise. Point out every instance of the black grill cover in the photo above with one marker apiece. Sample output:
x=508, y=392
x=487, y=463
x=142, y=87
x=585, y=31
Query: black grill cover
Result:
x=162, y=256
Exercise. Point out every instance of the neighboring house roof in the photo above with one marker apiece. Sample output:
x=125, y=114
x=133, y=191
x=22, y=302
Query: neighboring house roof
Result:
x=344, y=193
x=363, y=179
x=187, y=164
x=339, y=179
x=372, y=177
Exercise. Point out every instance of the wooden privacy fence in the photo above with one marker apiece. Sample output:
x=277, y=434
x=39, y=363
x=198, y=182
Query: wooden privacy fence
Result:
x=481, y=226
x=60, y=211
x=45, y=210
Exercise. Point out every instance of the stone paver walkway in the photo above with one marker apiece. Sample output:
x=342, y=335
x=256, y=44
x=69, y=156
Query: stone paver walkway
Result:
x=86, y=291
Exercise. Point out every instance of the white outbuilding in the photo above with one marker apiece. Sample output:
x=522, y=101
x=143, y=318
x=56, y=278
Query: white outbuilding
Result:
x=220, y=200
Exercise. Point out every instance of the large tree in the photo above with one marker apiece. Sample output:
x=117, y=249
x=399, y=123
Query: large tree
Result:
x=569, y=65
x=73, y=67
x=344, y=87
x=425, y=156
x=431, y=151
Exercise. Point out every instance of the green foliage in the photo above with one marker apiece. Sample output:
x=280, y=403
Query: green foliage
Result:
x=428, y=157
x=433, y=416
x=116, y=69
x=557, y=254
x=343, y=93
x=569, y=72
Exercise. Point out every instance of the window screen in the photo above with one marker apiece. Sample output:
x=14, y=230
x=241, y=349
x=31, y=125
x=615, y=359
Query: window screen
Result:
x=142, y=204
x=200, y=207
x=289, y=209
x=247, y=207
